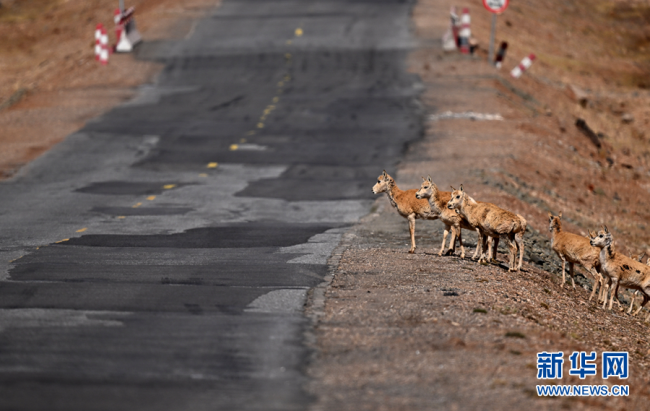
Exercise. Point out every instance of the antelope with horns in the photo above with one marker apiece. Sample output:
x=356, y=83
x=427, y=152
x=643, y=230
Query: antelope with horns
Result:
x=451, y=219
x=491, y=221
x=622, y=270
x=573, y=248
x=405, y=202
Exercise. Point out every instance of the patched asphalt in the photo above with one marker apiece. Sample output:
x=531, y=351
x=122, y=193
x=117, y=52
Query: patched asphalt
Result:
x=159, y=258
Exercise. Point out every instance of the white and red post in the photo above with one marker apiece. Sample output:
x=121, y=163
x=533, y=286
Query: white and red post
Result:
x=465, y=32
x=98, y=40
x=523, y=66
x=450, y=38
x=126, y=33
x=101, y=44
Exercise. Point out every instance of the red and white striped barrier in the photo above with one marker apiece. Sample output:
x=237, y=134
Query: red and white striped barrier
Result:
x=98, y=39
x=465, y=32
x=126, y=33
x=450, y=39
x=101, y=44
x=523, y=66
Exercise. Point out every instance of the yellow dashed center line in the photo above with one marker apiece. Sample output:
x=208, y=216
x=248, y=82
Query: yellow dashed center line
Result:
x=82, y=230
x=121, y=217
x=136, y=205
x=281, y=84
x=169, y=186
x=233, y=147
x=151, y=198
x=62, y=241
x=212, y=165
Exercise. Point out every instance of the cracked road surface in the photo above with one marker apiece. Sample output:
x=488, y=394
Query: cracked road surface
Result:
x=160, y=257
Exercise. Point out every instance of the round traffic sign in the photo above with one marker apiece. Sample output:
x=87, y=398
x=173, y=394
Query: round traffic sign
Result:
x=496, y=6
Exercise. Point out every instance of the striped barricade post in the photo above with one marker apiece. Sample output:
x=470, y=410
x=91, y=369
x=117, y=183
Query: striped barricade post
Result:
x=126, y=33
x=103, y=44
x=98, y=40
x=465, y=31
x=450, y=39
x=523, y=66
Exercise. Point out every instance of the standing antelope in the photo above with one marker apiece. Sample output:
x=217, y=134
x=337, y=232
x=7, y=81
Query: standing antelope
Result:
x=573, y=248
x=405, y=202
x=453, y=221
x=639, y=258
x=621, y=269
x=491, y=221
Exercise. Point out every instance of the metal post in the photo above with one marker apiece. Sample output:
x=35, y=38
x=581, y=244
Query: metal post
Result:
x=121, y=6
x=492, y=32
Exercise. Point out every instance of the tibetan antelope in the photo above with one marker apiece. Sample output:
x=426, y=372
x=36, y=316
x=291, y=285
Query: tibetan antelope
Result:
x=451, y=219
x=405, y=203
x=573, y=248
x=491, y=221
x=622, y=270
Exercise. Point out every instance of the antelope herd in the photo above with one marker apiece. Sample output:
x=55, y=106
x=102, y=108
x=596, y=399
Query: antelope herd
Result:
x=457, y=210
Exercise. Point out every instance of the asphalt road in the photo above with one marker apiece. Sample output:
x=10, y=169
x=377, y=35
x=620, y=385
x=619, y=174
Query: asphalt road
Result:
x=160, y=257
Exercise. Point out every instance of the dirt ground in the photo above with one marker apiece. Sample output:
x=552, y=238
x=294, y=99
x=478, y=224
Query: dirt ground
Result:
x=397, y=331
x=50, y=83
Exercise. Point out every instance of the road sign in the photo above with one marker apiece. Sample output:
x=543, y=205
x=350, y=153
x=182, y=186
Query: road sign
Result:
x=496, y=6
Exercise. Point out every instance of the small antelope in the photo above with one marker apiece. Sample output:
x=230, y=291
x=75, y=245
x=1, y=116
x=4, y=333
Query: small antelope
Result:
x=405, y=202
x=491, y=221
x=573, y=248
x=453, y=222
x=639, y=258
x=621, y=269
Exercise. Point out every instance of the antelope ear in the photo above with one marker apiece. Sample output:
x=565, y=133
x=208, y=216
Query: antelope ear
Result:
x=591, y=235
x=560, y=215
x=452, y=188
x=605, y=227
x=429, y=178
x=384, y=174
x=423, y=179
x=461, y=187
x=550, y=215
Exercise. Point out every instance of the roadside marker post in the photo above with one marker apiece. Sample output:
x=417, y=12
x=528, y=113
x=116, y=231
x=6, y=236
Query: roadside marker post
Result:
x=103, y=47
x=495, y=7
x=126, y=33
x=465, y=31
x=450, y=38
x=523, y=66
x=98, y=40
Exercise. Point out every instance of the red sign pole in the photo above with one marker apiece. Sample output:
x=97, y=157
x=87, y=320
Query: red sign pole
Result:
x=495, y=7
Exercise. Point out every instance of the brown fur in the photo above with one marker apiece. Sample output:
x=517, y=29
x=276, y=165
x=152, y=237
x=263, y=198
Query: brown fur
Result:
x=622, y=270
x=639, y=258
x=573, y=248
x=492, y=221
x=453, y=221
x=405, y=203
